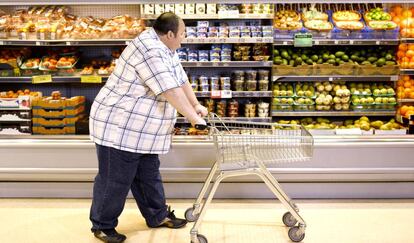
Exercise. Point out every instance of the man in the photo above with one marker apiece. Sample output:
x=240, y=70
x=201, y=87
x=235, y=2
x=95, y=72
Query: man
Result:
x=131, y=122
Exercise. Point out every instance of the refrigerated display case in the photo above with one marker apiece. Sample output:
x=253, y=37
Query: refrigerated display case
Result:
x=236, y=76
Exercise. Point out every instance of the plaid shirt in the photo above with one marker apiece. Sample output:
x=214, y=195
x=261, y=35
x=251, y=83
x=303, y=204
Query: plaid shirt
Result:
x=129, y=113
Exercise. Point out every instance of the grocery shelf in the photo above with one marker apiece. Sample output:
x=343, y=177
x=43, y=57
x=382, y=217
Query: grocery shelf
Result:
x=55, y=79
x=242, y=119
x=323, y=42
x=238, y=93
x=407, y=40
x=357, y=78
x=215, y=16
x=97, y=42
x=334, y=113
x=406, y=100
x=227, y=40
x=228, y=64
x=123, y=42
x=134, y=2
x=407, y=71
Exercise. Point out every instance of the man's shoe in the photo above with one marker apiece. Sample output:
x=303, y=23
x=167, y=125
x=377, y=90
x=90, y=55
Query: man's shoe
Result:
x=171, y=221
x=109, y=236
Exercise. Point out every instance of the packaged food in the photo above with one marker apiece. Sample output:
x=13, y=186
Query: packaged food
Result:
x=203, y=56
x=193, y=56
x=202, y=28
x=66, y=62
x=213, y=29
x=238, y=75
x=216, y=47
x=243, y=34
x=263, y=109
x=159, y=8
x=255, y=34
x=204, y=87
x=263, y=74
x=346, y=16
x=221, y=108
x=225, y=58
x=209, y=104
x=189, y=8
x=87, y=70
x=48, y=64
x=233, y=108
x=224, y=81
x=211, y=8
x=203, y=80
x=190, y=29
x=263, y=85
x=169, y=7
x=238, y=85
x=251, y=85
x=214, y=87
x=250, y=75
x=202, y=35
x=179, y=8
x=149, y=9
x=214, y=80
x=200, y=8
x=212, y=35
x=250, y=109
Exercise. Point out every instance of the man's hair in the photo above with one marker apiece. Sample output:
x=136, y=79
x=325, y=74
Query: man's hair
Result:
x=167, y=22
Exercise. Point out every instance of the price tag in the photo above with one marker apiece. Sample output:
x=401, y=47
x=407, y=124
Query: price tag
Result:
x=198, y=64
x=205, y=93
x=215, y=94
x=42, y=79
x=285, y=43
x=302, y=40
x=316, y=42
x=351, y=42
x=225, y=64
x=37, y=43
x=68, y=43
x=259, y=40
x=1, y=43
x=226, y=94
x=91, y=79
x=377, y=42
x=215, y=64
x=242, y=40
x=127, y=42
x=189, y=40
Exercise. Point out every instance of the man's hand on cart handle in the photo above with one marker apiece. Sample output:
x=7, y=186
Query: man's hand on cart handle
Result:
x=199, y=121
x=201, y=110
x=200, y=126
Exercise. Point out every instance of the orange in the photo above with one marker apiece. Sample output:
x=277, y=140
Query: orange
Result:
x=404, y=109
x=400, y=54
x=411, y=95
x=406, y=78
x=400, y=83
x=402, y=47
x=409, y=113
x=407, y=14
x=404, y=31
x=410, y=46
x=397, y=20
x=409, y=53
x=397, y=9
x=407, y=85
x=404, y=65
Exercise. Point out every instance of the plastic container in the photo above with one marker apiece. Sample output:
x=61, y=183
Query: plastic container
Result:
x=251, y=85
x=263, y=85
x=238, y=85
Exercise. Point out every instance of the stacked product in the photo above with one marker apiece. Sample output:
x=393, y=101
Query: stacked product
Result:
x=56, y=114
x=213, y=83
x=247, y=81
x=204, y=30
x=216, y=54
x=15, y=113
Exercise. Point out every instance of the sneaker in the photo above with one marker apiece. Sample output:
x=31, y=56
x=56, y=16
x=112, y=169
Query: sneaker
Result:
x=109, y=236
x=171, y=221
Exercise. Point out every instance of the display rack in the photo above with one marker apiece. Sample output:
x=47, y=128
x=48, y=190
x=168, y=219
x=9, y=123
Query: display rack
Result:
x=333, y=113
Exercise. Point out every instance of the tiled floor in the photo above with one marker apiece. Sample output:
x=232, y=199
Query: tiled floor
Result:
x=231, y=221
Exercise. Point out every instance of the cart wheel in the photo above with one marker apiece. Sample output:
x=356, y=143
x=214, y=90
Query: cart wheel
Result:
x=189, y=215
x=294, y=235
x=201, y=239
x=289, y=220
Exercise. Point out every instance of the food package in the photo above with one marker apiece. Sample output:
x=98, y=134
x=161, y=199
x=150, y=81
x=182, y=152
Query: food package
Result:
x=169, y=7
x=189, y=8
x=211, y=8
x=149, y=9
x=159, y=8
x=179, y=8
x=200, y=8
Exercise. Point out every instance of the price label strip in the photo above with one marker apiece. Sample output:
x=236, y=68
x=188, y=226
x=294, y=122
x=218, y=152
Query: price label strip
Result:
x=302, y=40
x=91, y=79
x=41, y=79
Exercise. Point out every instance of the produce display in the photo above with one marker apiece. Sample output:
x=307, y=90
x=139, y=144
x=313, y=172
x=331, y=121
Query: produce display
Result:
x=405, y=87
x=346, y=16
x=405, y=56
x=406, y=111
x=377, y=14
x=53, y=22
x=402, y=16
x=378, y=56
x=287, y=20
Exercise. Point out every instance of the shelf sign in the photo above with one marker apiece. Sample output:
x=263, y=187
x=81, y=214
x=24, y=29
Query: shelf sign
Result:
x=40, y=79
x=221, y=94
x=302, y=40
x=91, y=79
x=228, y=14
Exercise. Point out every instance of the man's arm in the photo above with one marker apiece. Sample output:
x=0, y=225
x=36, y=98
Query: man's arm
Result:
x=178, y=99
x=201, y=110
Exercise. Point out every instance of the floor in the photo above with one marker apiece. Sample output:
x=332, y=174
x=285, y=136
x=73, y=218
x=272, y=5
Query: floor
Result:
x=227, y=221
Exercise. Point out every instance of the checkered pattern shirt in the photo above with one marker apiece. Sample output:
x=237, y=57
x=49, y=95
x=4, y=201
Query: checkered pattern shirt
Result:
x=129, y=113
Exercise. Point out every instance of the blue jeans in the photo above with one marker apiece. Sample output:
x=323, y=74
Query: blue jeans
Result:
x=120, y=171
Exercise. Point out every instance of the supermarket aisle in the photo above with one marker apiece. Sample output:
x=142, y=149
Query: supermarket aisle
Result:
x=66, y=220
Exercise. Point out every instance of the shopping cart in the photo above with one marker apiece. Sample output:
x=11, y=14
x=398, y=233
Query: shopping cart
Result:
x=244, y=148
